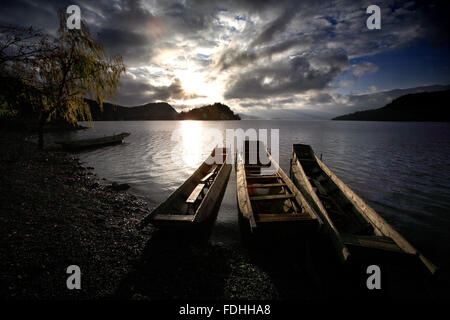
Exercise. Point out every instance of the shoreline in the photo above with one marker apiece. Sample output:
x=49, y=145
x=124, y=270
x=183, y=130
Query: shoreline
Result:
x=54, y=213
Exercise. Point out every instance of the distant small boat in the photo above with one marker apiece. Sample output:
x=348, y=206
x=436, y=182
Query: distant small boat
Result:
x=270, y=200
x=93, y=143
x=198, y=199
x=357, y=231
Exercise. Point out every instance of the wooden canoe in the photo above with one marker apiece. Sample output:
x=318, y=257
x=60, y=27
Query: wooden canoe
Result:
x=355, y=228
x=93, y=143
x=198, y=199
x=268, y=199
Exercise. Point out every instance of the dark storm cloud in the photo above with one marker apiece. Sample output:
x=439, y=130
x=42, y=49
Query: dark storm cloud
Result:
x=186, y=18
x=295, y=76
x=135, y=92
x=320, y=98
x=286, y=47
x=134, y=47
x=341, y=26
x=120, y=25
x=234, y=58
x=173, y=91
x=278, y=25
x=401, y=22
x=28, y=13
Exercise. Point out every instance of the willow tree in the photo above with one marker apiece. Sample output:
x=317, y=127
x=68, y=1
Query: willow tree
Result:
x=73, y=67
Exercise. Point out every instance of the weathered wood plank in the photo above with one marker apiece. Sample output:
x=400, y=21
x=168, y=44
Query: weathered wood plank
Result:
x=272, y=197
x=262, y=176
x=195, y=193
x=375, y=219
x=265, y=185
x=176, y=202
x=275, y=177
x=244, y=203
x=207, y=177
x=257, y=166
x=305, y=207
x=381, y=228
x=280, y=217
x=376, y=242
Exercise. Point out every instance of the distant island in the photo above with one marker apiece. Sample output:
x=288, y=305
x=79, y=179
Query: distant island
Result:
x=216, y=111
x=423, y=106
x=159, y=111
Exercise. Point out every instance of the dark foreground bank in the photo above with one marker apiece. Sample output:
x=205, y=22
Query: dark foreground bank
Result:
x=54, y=213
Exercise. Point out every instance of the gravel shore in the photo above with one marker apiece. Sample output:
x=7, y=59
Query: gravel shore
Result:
x=54, y=213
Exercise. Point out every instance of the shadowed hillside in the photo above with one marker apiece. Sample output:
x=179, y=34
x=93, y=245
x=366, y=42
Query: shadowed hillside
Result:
x=424, y=106
x=159, y=111
x=149, y=111
x=216, y=111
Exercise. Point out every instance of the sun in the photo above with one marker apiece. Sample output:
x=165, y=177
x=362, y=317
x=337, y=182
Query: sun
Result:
x=196, y=83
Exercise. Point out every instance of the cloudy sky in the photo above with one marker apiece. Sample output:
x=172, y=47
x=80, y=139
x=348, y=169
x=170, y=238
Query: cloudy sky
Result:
x=272, y=58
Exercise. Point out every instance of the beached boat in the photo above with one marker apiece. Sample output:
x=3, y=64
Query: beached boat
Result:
x=267, y=198
x=93, y=143
x=356, y=230
x=197, y=200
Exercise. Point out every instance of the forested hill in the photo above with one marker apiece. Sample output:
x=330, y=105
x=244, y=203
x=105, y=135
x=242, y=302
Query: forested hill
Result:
x=424, y=106
x=215, y=111
x=159, y=111
x=149, y=111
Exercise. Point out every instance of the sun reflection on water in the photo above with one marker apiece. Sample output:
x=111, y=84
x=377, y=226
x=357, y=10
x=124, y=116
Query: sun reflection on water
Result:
x=192, y=139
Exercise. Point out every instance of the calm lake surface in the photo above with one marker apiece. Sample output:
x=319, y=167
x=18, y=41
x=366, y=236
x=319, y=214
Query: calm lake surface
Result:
x=401, y=169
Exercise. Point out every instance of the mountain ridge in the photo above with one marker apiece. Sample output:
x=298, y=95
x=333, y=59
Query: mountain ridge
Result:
x=216, y=111
x=159, y=111
x=423, y=106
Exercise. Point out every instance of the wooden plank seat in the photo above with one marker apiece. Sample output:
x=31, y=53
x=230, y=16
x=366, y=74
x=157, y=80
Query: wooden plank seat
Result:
x=265, y=185
x=273, y=197
x=274, y=217
x=375, y=242
x=195, y=196
x=257, y=165
x=258, y=176
x=195, y=193
x=208, y=178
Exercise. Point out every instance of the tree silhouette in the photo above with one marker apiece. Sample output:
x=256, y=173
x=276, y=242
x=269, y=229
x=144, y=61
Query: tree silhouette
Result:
x=60, y=72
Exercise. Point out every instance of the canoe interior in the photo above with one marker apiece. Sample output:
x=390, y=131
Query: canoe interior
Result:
x=352, y=223
x=345, y=216
x=272, y=196
x=176, y=210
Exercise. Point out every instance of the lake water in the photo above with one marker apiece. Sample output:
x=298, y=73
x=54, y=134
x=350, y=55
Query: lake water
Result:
x=401, y=169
